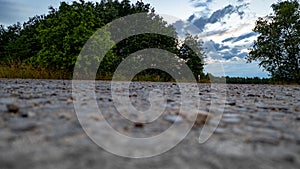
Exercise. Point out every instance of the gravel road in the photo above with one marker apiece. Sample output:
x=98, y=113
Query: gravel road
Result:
x=260, y=127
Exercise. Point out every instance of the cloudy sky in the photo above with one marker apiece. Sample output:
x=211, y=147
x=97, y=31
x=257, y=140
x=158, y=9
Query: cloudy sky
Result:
x=225, y=26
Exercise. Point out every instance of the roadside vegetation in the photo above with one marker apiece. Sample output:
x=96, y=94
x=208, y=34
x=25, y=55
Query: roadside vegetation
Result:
x=48, y=46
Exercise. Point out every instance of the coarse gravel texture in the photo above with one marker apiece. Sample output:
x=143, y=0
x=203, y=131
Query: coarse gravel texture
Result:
x=260, y=128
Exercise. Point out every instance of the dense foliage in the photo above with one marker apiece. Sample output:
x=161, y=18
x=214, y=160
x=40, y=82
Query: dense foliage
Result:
x=278, y=44
x=54, y=41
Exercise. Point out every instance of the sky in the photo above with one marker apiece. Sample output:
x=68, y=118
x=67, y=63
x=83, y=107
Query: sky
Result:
x=225, y=26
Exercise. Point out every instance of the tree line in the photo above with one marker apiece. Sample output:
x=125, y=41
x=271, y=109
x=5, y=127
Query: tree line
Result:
x=237, y=80
x=54, y=40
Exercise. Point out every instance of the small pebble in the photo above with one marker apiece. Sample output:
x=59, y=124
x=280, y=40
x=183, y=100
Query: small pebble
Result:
x=12, y=108
x=253, y=95
x=231, y=103
x=139, y=125
x=201, y=119
x=26, y=114
x=69, y=101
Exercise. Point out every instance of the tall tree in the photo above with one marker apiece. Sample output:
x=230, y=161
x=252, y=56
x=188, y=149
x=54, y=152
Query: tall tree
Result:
x=3, y=42
x=64, y=33
x=192, y=53
x=8, y=35
x=278, y=44
x=26, y=44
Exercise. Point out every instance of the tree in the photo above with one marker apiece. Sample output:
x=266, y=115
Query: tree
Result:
x=3, y=42
x=64, y=32
x=278, y=45
x=192, y=53
x=8, y=35
x=27, y=44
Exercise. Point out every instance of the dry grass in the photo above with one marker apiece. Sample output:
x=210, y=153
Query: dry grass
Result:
x=23, y=71
x=26, y=71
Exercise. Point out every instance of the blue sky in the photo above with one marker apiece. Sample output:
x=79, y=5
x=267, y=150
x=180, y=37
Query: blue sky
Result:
x=184, y=8
x=226, y=26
